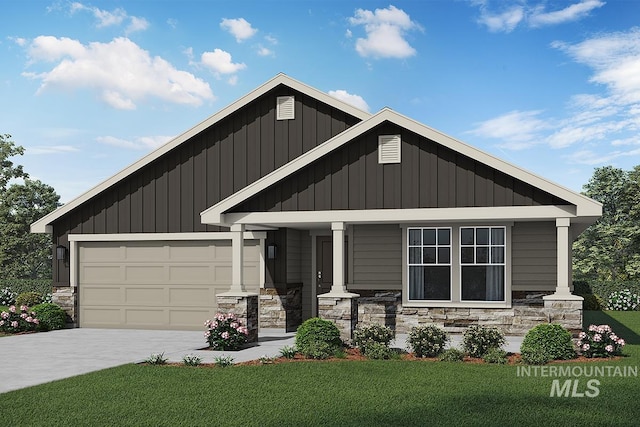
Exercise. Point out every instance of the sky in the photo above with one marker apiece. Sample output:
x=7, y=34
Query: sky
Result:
x=551, y=86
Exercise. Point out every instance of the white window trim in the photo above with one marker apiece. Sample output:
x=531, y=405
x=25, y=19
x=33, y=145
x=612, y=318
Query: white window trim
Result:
x=450, y=264
x=461, y=265
x=456, y=301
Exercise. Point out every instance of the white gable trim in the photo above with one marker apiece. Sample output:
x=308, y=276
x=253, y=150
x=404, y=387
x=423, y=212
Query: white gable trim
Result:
x=585, y=207
x=41, y=226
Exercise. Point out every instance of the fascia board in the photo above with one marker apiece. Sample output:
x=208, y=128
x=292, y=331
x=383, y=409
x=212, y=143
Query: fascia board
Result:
x=40, y=226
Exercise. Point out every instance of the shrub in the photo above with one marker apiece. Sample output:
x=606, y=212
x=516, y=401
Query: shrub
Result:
x=225, y=333
x=13, y=321
x=547, y=341
x=374, y=339
x=427, y=341
x=266, y=360
x=600, y=341
x=223, y=361
x=191, y=360
x=623, y=300
x=604, y=289
x=592, y=302
x=18, y=286
x=51, y=316
x=288, y=352
x=29, y=299
x=156, y=359
x=478, y=340
x=7, y=297
x=376, y=350
x=317, y=338
x=452, y=355
x=496, y=356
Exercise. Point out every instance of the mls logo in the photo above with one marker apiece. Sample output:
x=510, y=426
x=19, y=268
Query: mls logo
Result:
x=572, y=387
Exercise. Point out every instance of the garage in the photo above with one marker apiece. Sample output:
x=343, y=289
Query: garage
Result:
x=157, y=284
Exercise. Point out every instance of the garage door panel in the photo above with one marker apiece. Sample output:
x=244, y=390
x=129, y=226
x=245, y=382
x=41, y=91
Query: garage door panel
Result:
x=190, y=273
x=157, y=284
x=145, y=273
x=101, y=295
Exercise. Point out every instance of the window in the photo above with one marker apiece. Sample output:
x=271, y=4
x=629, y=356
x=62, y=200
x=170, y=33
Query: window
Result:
x=429, y=263
x=482, y=263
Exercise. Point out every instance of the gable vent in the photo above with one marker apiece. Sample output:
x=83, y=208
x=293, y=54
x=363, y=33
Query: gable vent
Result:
x=389, y=149
x=285, y=108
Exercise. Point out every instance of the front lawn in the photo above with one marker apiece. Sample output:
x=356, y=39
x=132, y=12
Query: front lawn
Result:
x=371, y=393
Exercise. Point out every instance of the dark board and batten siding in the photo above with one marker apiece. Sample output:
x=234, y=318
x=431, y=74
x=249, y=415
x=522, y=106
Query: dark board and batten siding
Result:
x=430, y=176
x=167, y=195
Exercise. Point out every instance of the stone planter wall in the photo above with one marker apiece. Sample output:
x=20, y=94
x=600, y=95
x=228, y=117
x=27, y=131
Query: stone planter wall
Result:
x=343, y=311
x=281, y=309
x=67, y=299
x=385, y=308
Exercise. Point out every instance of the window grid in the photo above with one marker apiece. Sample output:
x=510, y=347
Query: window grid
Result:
x=490, y=253
x=440, y=248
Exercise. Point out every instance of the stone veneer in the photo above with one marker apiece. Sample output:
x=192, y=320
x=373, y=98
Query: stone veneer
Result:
x=67, y=299
x=385, y=308
x=245, y=307
x=281, y=308
x=341, y=310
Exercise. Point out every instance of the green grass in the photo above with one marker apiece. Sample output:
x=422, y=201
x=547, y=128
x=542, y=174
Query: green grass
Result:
x=371, y=393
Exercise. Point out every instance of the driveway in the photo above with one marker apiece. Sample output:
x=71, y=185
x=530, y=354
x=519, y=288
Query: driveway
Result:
x=33, y=359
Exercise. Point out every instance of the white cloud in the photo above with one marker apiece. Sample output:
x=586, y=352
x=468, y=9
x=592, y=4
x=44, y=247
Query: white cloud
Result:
x=516, y=129
x=115, y=17
x=140, y=143
x=263, y=51
x=120, y=71
x=239, y=28
x=385, y=30
x=570, y=13
x=54, y=149
x=355, y=100
x=220, y=62
x=510, y=15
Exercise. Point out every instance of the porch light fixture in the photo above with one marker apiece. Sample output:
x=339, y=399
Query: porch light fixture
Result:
x=61, y=253
x=272, y=251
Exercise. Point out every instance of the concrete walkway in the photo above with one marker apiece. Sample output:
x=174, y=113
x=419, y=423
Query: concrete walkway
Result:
x=33, y=359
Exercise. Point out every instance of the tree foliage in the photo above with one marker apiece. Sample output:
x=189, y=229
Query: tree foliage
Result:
x=22, y=201
x=610, y=249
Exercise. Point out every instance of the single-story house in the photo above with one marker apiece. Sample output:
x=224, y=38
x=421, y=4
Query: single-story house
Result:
x=289, y=204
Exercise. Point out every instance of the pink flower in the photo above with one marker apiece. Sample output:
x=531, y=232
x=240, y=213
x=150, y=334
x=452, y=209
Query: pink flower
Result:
x=582, y=335
x=243, y=330
x=12, y=308
x=220, y=317
x=1, y=322
x=620, y=342
x=24, y=315
x=614, y=337
x=14, y=324
x=231, y=316
x=206, y=323
x=234, y=325
x=207, y=334
x=24, y=308
x=592, y=328
x=36, y=321
x=586, y=347
x=225, y=335
x=597, y=337
x=609, y=348
x=29, y=319
x=4, y=314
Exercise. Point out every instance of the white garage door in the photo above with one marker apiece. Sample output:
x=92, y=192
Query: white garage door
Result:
x=157, y=285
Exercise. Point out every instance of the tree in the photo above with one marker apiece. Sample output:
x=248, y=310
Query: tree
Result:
x=609, y=250
x=22, y=202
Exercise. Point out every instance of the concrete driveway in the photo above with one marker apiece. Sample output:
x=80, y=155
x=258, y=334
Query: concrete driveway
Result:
x=33, y=359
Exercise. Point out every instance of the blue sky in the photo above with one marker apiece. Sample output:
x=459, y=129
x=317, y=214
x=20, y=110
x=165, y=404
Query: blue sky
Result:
x=551, y=86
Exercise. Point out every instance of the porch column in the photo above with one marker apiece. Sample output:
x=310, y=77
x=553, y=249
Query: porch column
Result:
x=237, y=258
x=237, y=300
x=562, y=306
x=338, y=305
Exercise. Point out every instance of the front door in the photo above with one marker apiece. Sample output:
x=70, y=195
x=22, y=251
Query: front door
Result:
x=324, y=264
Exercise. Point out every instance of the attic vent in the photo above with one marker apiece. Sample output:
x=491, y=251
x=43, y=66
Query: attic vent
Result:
x=389, y=149
x=285, y=108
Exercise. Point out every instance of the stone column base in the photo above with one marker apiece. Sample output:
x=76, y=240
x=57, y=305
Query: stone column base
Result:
x=341, y=309
x=67, y=298
x=565, y=310
x=245, y=307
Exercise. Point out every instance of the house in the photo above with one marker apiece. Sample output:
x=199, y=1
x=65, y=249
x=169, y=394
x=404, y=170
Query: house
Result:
x=289, y=204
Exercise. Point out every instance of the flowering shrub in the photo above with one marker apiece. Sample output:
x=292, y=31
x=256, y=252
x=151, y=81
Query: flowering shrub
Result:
x=7, y=297
x=427, y=341
x=12, y=321
x=600, y=341
x=225, y=332
x=477, y=341
x=373, y=341
x=624, y=300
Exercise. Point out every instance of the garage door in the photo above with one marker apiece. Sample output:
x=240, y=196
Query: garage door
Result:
x=157, y=285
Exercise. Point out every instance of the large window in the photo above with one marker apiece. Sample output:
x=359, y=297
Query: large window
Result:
x=429, y=254
x=482, y=263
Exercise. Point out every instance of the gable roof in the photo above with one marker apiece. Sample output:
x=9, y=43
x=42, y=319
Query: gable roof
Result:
x=43, y=224
x=585, y=207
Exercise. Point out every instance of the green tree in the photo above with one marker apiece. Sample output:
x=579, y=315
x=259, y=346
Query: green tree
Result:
x=609, y=250
x=22, y=201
